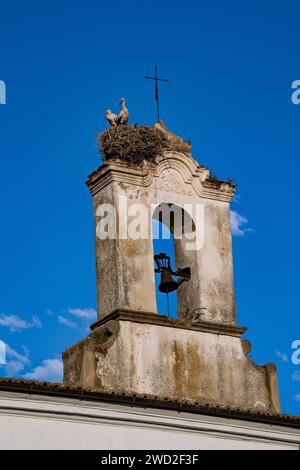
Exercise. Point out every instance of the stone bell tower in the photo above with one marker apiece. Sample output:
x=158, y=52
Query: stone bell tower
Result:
x=200, y=356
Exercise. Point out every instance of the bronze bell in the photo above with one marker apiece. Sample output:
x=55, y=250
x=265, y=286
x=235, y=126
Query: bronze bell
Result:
x=167, y=283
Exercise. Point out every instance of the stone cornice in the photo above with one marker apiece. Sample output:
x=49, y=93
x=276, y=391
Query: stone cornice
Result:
x=117, y=171
x=196, y=177
x=163, y=321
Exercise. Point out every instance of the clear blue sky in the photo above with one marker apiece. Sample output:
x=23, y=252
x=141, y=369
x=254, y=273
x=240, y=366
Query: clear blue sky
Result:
x=231, y=65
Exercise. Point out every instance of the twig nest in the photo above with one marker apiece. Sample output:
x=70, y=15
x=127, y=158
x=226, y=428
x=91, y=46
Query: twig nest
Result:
x=133, y=144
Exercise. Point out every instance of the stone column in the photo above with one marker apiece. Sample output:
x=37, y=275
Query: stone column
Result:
x=124, y=266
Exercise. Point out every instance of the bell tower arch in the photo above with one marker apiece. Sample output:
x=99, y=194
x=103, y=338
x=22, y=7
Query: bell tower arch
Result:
x=170, y=184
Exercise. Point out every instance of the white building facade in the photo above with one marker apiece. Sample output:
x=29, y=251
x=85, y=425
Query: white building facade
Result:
x=47, y=416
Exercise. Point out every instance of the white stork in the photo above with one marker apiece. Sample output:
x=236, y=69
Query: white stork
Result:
x=111, y=117
x=122, y=119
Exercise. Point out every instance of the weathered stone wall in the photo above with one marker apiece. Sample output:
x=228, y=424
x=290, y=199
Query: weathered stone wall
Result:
x=168, y=362
x=210, y=291
x=124, y=267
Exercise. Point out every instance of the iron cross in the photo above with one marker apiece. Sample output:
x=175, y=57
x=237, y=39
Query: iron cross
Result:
x=156, y=89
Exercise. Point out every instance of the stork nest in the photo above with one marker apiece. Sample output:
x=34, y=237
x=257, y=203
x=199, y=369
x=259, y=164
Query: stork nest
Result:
x=133, y=144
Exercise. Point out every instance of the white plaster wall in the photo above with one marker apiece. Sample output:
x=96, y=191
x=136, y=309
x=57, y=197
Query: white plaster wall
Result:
x=39, y=422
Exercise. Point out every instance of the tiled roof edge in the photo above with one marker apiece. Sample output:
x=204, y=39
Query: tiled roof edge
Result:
x=61, y=390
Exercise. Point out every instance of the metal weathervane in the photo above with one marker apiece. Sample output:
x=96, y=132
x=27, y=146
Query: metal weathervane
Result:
x=157, y=79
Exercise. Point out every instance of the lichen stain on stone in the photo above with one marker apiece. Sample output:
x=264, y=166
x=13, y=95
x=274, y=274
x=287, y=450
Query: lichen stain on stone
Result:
x=195, y=367
x=132, y=367
x=188, y=368
x=179, y=369
x=133, y=248
x=123, y=186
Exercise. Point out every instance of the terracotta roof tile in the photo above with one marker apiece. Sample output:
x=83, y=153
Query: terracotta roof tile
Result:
x=59, y=389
